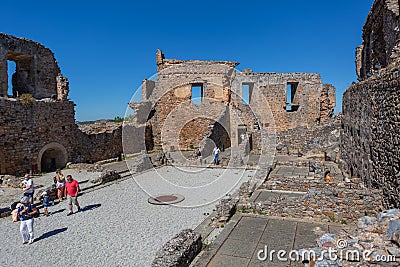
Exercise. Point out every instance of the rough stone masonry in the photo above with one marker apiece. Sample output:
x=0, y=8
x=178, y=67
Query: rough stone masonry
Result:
x=370, y=129
x=37, y=123
x=202, y=104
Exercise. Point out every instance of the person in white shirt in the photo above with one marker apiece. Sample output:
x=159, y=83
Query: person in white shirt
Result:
x=27, y=187
x=216, y=152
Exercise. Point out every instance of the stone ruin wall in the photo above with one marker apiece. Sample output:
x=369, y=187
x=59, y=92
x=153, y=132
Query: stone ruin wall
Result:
x=174, y=114
x=381, y=35
x=370, y=130
x=37, y=122
x=370, y=134
x=167, y=109
x=37, y=72
x=313, y=140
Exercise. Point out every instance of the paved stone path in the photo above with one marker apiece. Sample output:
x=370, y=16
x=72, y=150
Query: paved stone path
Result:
x=239, y=244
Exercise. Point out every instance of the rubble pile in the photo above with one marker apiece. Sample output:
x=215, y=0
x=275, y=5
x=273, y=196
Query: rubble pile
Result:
x=338, y=202
x=375, y=242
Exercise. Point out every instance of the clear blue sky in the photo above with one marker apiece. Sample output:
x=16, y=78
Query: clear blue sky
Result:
x=106, y=48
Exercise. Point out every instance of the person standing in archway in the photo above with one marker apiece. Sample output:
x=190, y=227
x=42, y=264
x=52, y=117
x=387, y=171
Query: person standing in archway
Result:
x=71, y=191
x=216, y=152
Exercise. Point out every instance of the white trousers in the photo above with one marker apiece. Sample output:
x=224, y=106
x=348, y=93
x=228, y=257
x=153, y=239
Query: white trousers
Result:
x=26, y=225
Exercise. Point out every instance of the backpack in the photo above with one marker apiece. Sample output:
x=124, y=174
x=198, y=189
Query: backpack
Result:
x=14, y=215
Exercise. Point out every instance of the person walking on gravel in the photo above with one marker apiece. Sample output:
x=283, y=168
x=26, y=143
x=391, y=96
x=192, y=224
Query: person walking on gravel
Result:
x=71, y=191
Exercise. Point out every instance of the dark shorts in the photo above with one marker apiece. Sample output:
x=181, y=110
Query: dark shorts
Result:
x=29, y=195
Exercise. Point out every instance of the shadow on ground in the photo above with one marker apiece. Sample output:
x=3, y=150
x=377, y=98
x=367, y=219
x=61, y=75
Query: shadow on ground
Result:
x=58, y=211
x=90, y=207
x=51, y=233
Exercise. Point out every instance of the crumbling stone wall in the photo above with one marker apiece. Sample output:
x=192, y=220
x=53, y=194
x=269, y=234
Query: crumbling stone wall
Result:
x=37, y=123
x=316, y=139
x=370, y=130
x=167, y=105
x=36, y=69
x=381, y=36
x=327, y=102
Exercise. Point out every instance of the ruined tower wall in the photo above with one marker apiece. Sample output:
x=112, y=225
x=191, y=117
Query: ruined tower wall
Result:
x=381, y=35
x=370, y=131
x=36, y=67
x=37, y=123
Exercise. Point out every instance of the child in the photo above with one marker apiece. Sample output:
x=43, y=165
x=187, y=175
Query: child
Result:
x=46, y=203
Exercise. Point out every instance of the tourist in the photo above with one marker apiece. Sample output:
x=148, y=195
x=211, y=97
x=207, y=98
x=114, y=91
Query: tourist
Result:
x=46, y=202
x=27, y=187
x=60, y=185
x=26, y=213
x=328, y=178
x=216, y=152
x=71, y=191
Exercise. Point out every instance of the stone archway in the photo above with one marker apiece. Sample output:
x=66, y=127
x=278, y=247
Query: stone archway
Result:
x=51, y=157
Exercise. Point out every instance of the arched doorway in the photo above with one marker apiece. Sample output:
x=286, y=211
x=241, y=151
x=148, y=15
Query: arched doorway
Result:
x=51, y=157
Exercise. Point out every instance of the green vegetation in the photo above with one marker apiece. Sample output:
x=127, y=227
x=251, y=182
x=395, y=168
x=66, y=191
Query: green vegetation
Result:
x=118, y=119
x=127, y=118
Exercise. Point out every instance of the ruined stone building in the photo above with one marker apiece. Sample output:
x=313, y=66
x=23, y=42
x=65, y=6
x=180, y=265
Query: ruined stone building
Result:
x=199, y=104
x=37, y=123
x=370, y=130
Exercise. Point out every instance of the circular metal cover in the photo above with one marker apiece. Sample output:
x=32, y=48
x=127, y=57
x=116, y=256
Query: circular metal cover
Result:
x=166, y=199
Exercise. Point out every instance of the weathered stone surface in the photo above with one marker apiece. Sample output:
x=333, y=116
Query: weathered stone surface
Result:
x=10, y=180
x=223, y=118
x=106, y=176
x=179, y=251
x=370, y=130
x=37, y=125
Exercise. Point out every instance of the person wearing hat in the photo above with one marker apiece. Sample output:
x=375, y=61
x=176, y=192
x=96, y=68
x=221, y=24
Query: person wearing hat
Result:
x=26, y=213
x=27, y=187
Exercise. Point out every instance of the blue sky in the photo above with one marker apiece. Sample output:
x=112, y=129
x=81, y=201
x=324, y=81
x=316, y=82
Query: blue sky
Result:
x=106, y=48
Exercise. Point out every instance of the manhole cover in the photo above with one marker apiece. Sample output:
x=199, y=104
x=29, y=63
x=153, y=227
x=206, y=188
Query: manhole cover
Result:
x=166, y=199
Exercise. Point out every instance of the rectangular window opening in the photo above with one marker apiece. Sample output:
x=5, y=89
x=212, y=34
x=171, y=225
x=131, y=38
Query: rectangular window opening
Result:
x=247, y=90
x=197, y=94
x=291, y=89
x=11, y=69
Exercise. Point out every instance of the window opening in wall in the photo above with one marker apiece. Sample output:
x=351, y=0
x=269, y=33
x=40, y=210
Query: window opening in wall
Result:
x=247, y=90
x=11, y=69
x=291, y=89
x=197, y=94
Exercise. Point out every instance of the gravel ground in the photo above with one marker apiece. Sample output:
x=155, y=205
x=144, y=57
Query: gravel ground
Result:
x=118, y=227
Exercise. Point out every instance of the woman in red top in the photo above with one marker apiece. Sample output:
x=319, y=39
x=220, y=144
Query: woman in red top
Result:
x=71, y=191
